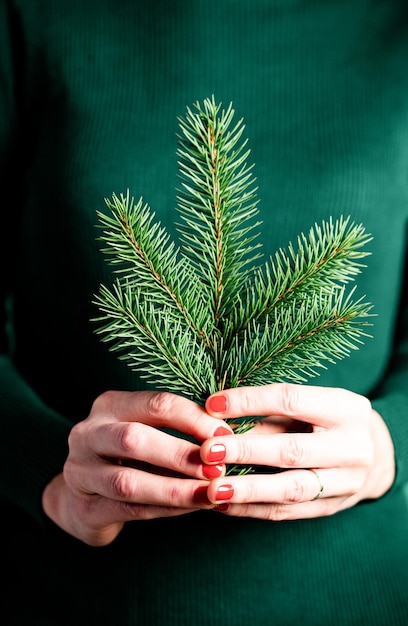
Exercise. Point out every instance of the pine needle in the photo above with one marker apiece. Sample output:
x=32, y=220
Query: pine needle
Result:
x=204, y=316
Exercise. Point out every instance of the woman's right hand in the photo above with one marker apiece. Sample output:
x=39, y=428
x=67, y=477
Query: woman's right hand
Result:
x=121, y=467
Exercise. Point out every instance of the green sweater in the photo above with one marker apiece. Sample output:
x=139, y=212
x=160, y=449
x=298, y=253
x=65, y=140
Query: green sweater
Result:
x=90, y=94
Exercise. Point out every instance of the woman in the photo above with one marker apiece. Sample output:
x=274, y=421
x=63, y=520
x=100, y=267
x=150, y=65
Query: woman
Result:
x=91, y=93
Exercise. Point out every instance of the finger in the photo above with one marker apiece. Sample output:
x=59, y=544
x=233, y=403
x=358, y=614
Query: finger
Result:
x=207, y=472
x=318, y=405
x=136, y=487
x=161, y=410
x=283, y=512
x=289, y=487
x=109, y=515
x=136, y=443
x=329, y=448
x=147, y=512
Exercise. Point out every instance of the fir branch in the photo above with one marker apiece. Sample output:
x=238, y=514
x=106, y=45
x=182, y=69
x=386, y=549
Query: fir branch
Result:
x=217, y=199
x=155, y=342
x=178, y=316
x=293, y=342
x=329, y=256
x=325, y=260
x=145, y=258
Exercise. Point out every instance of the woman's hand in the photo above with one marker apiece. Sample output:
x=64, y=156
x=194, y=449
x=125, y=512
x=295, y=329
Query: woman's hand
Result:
x=120, y=467
x=333, y=432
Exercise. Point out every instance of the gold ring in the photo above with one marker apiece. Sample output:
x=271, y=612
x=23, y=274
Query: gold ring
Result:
x=321, y=488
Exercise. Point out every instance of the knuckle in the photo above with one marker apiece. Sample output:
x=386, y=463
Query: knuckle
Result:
x=174, y=495
x=124, y=486
x=246, y=400
x=78, y=435
x=268, y=512
x=135, y=511
x=68, y=472
x=197, y=420
x=244, y=450
x=104, y=401
x=182, y=456
x=278, y=512
x=294, y=492
x=245, y=510
x=160, y=405
x=74, y=436
x=289, y=399
x=132, y=437
x=292, y=453
x=144, y=512
x=134, y=440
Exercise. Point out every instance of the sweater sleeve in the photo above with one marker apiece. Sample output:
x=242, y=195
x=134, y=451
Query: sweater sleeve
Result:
x=391, y=398
x=33, y=445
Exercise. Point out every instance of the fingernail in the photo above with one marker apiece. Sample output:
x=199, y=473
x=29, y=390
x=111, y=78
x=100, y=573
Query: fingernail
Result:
x=212, y=471
x=218, y=404
x=200, y=495
x=225, y=492
x=216, y=453
x=221, y=430
x=224, y=506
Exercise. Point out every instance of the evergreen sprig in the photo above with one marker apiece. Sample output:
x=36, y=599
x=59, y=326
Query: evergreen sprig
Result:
x=203, y=316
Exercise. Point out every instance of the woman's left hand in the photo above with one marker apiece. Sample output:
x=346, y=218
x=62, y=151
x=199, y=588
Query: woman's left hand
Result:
x=331, y=448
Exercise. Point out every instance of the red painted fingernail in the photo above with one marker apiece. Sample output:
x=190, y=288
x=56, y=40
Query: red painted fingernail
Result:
x=225, y=492
x=212, y=471
x=216, y=453
x=224, y=506
x=221, y=430
x=218, y=404
x=200, y=495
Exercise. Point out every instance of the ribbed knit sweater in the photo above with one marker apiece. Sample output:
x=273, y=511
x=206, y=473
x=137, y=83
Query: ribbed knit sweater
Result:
x=89, y=98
